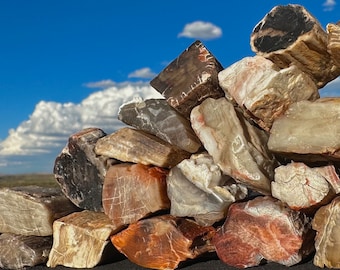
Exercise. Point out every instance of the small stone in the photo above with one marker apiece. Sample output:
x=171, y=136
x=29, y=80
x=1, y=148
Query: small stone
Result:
x=189, y=79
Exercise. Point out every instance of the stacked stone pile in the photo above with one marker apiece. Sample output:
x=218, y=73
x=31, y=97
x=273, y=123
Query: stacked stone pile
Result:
x=240, y=162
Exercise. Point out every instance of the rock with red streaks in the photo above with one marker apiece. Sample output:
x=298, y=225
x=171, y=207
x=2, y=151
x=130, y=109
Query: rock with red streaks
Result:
x=327, y=241
x=302, y=187
x=329, y=172
x=163, y=242
x=134, y=191
x=237, y=147
x=189, y=79
x=263, y=229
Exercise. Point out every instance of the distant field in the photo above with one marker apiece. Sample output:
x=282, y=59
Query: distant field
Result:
x=44, y=180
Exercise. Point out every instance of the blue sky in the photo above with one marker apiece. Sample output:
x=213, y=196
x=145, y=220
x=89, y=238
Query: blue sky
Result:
x=66, y=65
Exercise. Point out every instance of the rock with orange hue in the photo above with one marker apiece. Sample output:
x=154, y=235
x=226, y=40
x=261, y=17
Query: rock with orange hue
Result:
x=163, y=242
x=189, y=79
x=263, y=229
x=327, y=241
x=329, y=172
x=80, y=172
x=237, y=147
x=302, y=187
x=137, y=146
x=133, y=191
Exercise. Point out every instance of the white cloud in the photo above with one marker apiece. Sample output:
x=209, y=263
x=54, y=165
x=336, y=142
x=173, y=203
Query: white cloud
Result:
x=201, y=30
x=329, y=5
x=143, y=73
x=100, y=84
x=48, y=128
x=332, y=89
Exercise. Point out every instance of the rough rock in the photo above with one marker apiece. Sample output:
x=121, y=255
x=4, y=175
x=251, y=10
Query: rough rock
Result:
x=157, y=117
x=333, y=45
x=263, y=90
x=237, y=147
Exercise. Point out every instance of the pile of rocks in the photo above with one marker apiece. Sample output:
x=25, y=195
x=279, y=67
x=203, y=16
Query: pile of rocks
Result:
x=240, y=162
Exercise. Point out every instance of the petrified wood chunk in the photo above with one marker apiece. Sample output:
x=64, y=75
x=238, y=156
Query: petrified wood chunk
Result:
x=137, y=146
x=80, y=240
x=334, y=41
x=290, y=35
x=133, y=191
x=31, y=210
x=157, y=117
x=19, y=251
x=308, y=131
x=303, y=188
x=197, y=188
x=329, y=172
x=236, y=146
x=263, y=229
x=264, y=91
x=79, y=172
x=162, y=242
x=189, y=79
x=327, y=241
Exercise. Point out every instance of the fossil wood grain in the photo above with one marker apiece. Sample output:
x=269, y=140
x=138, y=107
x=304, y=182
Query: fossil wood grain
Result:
x=334, y=41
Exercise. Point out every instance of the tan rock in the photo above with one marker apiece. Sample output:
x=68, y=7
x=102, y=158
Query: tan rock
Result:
x=334, y=41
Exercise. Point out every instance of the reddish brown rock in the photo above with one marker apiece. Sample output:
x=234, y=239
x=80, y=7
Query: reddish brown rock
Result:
x=263, y=229
x=133, y=191
x=189, y=79
x=163, y=242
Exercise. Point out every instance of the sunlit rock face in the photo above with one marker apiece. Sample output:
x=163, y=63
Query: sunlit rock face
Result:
x=333, y=45
x=237, y=147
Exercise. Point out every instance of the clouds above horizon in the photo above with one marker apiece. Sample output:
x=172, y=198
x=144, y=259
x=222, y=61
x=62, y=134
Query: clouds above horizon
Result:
x=329, y=5
x=201, y=30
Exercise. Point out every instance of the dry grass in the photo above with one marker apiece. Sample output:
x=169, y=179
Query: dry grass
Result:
x=44, y=180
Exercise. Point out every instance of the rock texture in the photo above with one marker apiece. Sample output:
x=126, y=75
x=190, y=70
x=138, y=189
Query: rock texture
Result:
x=197, y=188
x=31, y=210
x=236, y=146
x=134, y=191
x=81, y=240
x=136, y=146
x=263, y=229
x=163, y=242
x=157, y=117
x=263, y=90
x=189, y=79
x=333, y=45
x=327, y=242
x=294, y=134
x=20, y=251
x=290, y=35
x=86, y=175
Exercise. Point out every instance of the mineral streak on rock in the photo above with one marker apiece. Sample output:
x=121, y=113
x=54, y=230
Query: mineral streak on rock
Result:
x=327, y=241
x=290, y=35
x=80, y=240
x=157, y=117
x=334, y=41
x=330, y=174
x=162, y=242
x=134, y=191
x=263, y=229
x=197, y=188
x=79, y=172
x=137, y=146
x=189, y=79
x=303, y=188
x=263, y=90
x=31, y=210
x=308, y=131
x=237, y=147
x=20, y=251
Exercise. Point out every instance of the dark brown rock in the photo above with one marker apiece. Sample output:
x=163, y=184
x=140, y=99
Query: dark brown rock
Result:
x=163, y=242
x=263, y=229
x=189, y=79
x=80, y=172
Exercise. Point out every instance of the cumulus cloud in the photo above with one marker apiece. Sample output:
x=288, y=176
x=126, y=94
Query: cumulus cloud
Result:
x=201, y=30
x=329, y=5
x=143, y=73
x=41, y=138
x=332, y=89
x=100, y=84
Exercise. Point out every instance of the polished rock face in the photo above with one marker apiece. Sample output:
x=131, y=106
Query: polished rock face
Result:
x=197, y=188
x=237, y=147
x=157, y=117
x=263, y=229
x=162, y=242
